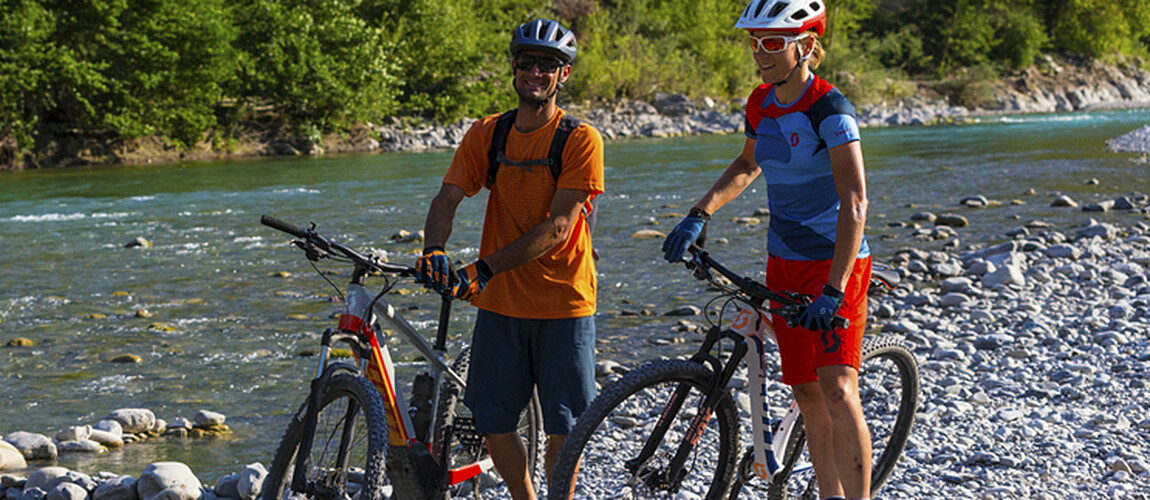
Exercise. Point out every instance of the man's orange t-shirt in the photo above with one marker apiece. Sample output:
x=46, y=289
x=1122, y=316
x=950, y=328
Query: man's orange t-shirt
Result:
x=560, y=283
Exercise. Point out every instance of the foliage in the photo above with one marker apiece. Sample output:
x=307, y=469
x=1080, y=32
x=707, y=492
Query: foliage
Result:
x=187, y=72
x=637, y=48
x=317, y=61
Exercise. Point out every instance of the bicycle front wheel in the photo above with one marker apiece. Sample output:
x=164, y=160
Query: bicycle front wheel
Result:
x=466, y=448
x=888, y=389
x=617, y=452
x=346, y=457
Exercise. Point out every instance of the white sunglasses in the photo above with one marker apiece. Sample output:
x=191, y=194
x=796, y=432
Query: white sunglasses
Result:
x=772, y=44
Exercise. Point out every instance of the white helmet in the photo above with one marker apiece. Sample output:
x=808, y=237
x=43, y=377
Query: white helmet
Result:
x=796, y=16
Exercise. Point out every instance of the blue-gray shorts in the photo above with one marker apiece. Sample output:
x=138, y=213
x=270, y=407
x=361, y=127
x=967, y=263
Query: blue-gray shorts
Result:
x=511, y=356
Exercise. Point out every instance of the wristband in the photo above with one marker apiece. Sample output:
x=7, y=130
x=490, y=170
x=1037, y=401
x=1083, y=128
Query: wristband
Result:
x=482, y=267
x=833, y=292
x=699, y=213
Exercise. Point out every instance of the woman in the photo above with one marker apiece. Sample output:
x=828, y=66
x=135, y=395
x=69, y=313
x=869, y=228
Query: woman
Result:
x=803, y=136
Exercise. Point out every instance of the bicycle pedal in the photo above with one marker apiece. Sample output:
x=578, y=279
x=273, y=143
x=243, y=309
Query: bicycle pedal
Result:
x=463, y=429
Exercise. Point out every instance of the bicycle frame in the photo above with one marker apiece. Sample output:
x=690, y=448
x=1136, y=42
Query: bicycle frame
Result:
x=768, y=446
x=358, y=325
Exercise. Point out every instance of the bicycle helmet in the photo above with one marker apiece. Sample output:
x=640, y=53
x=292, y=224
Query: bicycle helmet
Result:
x=796, y=16
x=545, y=35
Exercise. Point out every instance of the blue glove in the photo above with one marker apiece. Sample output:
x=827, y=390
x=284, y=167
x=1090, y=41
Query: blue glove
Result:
x=683, y=235
x=432, y=269
x=820, y=314
x=472, y=280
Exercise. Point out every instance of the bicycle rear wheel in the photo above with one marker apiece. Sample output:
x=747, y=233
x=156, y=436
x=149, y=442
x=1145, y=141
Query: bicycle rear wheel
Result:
x=454, y=423
x=347, y=455
x=605, y=445
x=888, y=388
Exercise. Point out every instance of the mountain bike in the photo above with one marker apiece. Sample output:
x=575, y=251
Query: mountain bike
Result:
x=356, y=436
x=670, y=427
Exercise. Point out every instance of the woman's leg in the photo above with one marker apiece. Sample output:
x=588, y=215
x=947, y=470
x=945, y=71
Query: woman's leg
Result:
x=820, y=440
x=851, y=437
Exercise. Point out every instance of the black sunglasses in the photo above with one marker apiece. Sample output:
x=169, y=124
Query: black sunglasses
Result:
x=547, y=65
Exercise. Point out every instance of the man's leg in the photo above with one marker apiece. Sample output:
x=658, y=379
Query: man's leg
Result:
x=852, y=448
x=820, y=439
x=510, y=457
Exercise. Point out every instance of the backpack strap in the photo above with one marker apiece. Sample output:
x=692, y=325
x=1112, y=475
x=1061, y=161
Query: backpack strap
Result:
x=567, y=125
x=498, y=144
x=496, y=156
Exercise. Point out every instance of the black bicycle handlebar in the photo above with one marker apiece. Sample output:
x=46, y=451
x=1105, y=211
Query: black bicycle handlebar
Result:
x=314, y=239
x=792, y=303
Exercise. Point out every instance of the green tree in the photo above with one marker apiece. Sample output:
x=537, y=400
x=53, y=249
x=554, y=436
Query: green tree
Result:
x=316, y=61
x=26, y=54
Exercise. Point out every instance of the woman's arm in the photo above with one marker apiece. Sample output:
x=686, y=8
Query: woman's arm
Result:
x=850, y=182
x=734, y=180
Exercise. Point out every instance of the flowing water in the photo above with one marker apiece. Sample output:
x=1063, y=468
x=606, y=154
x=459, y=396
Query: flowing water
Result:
x=231, y=307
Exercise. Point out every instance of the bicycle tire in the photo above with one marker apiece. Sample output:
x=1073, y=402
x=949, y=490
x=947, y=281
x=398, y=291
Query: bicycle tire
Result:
x=367, y=449
x=618, y=423
x=466, y=446
x=877, y=389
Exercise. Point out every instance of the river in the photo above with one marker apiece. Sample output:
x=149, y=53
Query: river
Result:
x=227, y=323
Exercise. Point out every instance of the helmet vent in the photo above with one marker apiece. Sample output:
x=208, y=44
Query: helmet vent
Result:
x=759, y=8
x=815, y=6
x=801, y=14
x=778, y=9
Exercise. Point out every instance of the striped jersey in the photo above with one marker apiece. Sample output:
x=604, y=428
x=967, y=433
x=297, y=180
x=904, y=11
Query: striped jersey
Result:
x=791, y=148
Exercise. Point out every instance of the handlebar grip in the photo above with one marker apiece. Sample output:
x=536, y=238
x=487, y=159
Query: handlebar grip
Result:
x=841, y=322
x=286, y=227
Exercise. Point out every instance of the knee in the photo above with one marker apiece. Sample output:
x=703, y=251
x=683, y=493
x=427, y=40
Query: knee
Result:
x=840, y=400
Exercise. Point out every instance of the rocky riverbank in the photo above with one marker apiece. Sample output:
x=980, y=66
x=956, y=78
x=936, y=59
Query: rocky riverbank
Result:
x=1033, y=354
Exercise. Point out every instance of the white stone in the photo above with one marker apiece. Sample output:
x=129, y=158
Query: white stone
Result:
x=74, y=433
x=168, y=481
x=11, y=458
x=204, y=418
x=251, y=481
x=67, y=491
x=133, y=420
x=106, y=438
x=32, y=446
x=119, y=488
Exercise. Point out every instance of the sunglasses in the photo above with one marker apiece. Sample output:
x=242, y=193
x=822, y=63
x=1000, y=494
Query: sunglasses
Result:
x=772, y=44
x=546, y=65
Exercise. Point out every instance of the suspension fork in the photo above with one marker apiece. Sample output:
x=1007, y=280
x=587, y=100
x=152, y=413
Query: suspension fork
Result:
x=315, y=402
x=674, y=472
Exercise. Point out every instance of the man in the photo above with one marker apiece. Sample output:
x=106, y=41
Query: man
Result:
x=534, y=282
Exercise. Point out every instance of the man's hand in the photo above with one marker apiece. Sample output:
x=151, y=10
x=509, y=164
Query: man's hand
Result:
x=820, y=314
x=472, y=280
x=683, y=235
x=433, y=269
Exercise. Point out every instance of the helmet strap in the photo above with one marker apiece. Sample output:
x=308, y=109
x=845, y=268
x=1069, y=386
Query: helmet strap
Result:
x=802, y=58
x=539, y=103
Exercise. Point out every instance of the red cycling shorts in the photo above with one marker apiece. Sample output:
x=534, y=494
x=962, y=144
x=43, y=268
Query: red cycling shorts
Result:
x=803, y=351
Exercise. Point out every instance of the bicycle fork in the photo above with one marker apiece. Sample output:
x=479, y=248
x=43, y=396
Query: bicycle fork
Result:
x=671, y=477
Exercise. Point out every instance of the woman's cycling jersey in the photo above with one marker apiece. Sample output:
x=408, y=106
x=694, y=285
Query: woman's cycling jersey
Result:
x=791, y=148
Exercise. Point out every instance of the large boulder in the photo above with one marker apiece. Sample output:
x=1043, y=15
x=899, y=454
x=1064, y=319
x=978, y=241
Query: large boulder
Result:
x=33, y=446
x=168, y=481
x=67, y=491
x=120, y=488
x=46, y=478
x=133, y=420
x=11, y=458
x=251, y=481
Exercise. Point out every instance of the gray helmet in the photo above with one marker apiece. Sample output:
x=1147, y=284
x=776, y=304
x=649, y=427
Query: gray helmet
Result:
x=545, y=35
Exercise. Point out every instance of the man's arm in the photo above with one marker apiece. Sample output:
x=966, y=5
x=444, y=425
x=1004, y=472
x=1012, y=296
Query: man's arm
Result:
x=441, y=215
x=566, y=208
